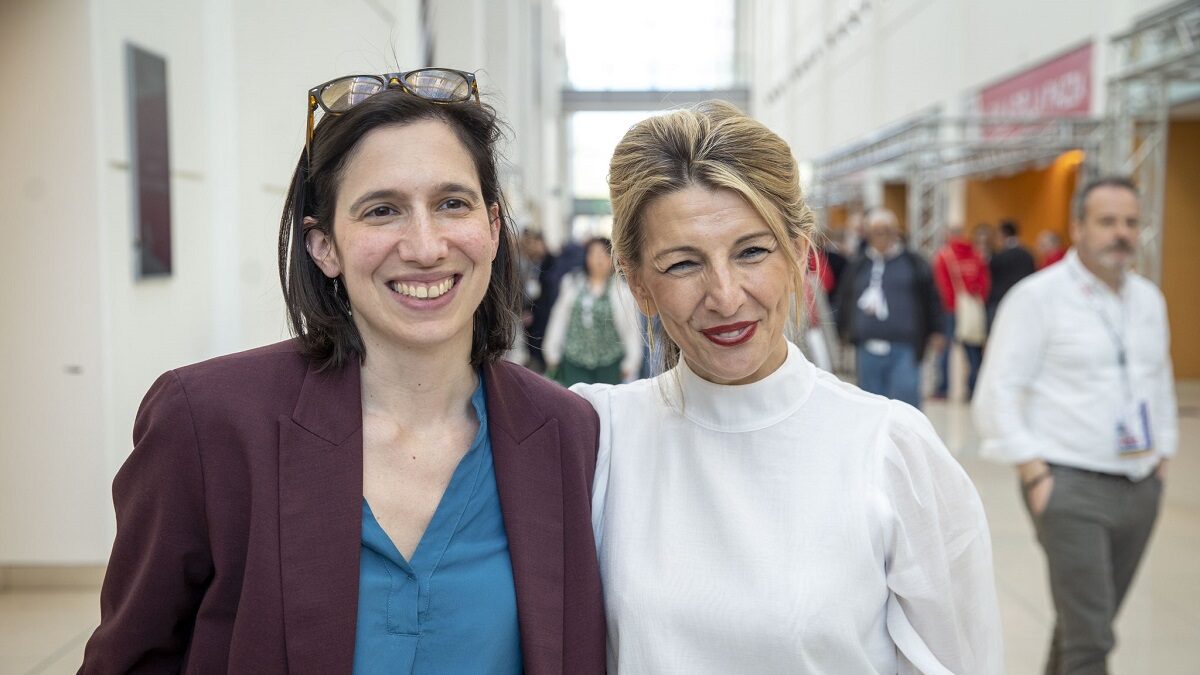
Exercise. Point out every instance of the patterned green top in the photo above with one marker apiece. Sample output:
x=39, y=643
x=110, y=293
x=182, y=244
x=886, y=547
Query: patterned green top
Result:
x=592, y=339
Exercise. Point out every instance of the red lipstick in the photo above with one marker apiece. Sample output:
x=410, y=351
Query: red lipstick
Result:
x=732, y=334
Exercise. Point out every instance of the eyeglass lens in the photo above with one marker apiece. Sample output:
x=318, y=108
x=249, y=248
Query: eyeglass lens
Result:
x=438, y=85
x=434, y=84
x=341, y=95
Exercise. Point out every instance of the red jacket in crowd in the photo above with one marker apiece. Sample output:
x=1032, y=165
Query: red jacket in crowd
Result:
x=975, y=276
x=1052, y=257
x=818, y=271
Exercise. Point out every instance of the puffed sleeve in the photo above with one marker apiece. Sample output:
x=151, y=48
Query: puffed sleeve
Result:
x=942, y=610
x=161, y=563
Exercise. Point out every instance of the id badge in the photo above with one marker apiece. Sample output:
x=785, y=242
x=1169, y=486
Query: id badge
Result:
x=1133, y=431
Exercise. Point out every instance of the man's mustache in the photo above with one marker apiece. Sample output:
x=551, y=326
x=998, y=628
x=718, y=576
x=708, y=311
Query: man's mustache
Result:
x=1122, y=245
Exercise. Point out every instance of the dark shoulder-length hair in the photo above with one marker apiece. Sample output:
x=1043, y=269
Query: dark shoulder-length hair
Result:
x=317, y=306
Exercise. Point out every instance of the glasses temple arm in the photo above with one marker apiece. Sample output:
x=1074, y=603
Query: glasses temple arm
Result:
x=308, y=132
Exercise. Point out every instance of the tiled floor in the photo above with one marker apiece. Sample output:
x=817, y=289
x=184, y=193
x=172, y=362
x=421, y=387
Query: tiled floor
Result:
x=44, y=631
x=1158, y=632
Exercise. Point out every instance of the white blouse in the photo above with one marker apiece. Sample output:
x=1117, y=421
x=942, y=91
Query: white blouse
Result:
x=793, y=525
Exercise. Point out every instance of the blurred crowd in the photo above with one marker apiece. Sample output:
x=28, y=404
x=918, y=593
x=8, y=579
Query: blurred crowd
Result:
x=874, y=308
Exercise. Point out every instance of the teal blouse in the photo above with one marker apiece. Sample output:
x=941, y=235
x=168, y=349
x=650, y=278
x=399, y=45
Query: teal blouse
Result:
x=453, y=607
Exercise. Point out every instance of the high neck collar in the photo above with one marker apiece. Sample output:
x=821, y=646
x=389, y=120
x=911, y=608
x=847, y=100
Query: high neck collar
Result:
x=742, y=407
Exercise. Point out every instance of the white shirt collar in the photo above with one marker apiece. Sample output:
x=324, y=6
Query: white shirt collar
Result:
x=1092, y=283
x=894, y=250
x=743, y=407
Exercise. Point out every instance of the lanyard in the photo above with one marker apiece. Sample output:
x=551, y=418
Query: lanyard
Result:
x=1117, y=336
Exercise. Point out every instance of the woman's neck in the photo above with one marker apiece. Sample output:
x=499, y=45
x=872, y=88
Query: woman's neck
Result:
x=420, y=387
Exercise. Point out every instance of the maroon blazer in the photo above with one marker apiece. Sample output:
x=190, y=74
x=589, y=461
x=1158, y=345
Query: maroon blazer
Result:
x=239, y=517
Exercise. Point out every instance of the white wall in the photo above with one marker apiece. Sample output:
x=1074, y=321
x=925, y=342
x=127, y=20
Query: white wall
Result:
x=52, y=427
x=553, y=198
x=902, y=56
x=237, y=76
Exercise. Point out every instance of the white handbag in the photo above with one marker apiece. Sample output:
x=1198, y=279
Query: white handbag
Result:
x=970, y=318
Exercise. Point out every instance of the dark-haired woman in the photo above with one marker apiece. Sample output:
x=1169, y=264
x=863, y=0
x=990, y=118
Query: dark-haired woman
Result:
x=593, y=335
x=381, y=493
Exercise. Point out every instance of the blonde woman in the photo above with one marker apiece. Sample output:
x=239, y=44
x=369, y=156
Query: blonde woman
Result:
x=752, y=513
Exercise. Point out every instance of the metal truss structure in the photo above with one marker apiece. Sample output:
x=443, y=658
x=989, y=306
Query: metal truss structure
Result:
x=1160, y=50
x=931, y=149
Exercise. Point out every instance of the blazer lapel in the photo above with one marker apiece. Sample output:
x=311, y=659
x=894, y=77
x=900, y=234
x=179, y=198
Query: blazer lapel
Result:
x=320, y=521
x=526, y=454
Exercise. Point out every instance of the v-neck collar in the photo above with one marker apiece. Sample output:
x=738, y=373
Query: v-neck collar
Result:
x=463, y=485
x=320, y=519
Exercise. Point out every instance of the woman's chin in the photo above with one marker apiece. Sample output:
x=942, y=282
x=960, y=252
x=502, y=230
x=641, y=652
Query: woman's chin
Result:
x=742, y=364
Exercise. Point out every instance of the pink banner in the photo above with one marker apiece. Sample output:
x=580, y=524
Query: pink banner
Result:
x=1059, y=87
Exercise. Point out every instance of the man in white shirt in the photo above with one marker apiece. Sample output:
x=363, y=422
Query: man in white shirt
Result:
x=1076, y=390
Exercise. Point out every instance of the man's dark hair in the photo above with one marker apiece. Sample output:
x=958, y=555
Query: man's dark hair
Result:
x=1008, y=228
x=317, y=306
x=1104, y=181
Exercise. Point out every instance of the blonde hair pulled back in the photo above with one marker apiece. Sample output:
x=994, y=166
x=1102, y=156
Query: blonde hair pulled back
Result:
x=715, y=146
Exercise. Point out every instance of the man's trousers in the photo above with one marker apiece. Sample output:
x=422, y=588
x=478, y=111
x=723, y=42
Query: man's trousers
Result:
x=1094, y=531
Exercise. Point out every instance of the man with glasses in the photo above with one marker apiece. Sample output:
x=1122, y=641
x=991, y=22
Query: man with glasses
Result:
x=1076, y=390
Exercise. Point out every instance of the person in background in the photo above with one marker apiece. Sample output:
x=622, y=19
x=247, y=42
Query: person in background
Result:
x=983, y=239
x=376, y=494
x=889, y=310
x=754, y=514
x=541, y=290
x=1010, y=264
x=593, y=332
x=571, y=258
x=1077, y=393
x=854, y=241
x=835, y=259
x=958, y=268
x=1050, y=249
x=818, y=317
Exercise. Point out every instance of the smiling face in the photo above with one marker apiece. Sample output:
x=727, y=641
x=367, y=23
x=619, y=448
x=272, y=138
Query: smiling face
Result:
x=413, y=239
x=718, y=278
